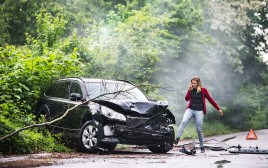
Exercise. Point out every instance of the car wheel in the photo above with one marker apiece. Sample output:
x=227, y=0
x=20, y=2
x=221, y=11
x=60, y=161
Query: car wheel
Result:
x=165, y=146
x=161, y=148
x=88, y=140
x=88, y=137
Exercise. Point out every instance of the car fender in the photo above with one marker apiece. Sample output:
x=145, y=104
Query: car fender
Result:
x=171, y=116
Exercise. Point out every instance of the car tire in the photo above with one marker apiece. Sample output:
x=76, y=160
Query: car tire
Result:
x=165, y=146
x=88, y=139
x=161, y=148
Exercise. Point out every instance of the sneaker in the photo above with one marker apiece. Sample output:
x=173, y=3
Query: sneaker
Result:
x=176, y=141
x=202, y=150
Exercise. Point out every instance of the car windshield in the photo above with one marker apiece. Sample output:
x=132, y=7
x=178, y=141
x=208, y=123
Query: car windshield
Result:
x=124, y=91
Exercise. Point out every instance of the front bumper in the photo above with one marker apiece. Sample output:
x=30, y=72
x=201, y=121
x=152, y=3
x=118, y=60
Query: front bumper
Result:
x=138, y=130
x=139, y=136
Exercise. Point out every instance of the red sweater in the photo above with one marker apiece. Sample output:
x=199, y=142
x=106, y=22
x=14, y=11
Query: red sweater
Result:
x=205, y=95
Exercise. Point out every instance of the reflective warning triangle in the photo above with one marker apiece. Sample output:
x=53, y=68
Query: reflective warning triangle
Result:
x=251, y=135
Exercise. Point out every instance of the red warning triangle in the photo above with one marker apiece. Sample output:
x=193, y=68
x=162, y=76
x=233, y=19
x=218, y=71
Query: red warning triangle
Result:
x=251, y=135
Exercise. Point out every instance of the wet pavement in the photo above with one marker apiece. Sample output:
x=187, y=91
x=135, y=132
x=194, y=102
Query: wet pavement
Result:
x=134, y=156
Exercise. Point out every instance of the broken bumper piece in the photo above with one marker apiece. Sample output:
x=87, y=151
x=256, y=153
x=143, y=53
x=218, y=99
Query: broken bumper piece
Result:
x=249, y=151
x=189, y=150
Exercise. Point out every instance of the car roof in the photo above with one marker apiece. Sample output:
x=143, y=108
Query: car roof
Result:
x=95, y=80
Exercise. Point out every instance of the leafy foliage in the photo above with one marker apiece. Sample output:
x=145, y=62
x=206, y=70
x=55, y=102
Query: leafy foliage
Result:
x=28, y=141
x=237, y=48
x=26, y=70
x=17, y=18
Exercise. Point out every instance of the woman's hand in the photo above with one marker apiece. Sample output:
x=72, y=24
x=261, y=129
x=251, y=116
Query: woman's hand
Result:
x=221, y=112
x=190, y=88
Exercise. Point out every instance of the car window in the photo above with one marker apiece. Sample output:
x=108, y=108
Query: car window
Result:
x=124, y=91
x=62, y=91
x=50, y=89
x=76, y=88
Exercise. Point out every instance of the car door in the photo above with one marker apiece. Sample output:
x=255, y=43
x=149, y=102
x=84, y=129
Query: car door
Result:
x=74, y=118
x=58, y=102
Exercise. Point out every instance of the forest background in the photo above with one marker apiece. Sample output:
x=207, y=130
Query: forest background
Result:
x=154, y=42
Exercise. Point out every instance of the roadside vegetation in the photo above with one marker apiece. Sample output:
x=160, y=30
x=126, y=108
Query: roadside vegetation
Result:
x=215, y=128
x=151, y=42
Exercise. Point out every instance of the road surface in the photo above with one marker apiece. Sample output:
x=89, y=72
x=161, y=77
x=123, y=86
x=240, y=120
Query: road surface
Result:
x=133, y=157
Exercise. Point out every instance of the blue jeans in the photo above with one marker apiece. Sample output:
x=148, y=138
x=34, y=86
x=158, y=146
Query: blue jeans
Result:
x=199, y=116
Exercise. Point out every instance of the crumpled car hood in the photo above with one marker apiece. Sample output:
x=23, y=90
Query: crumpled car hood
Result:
x=134, y=107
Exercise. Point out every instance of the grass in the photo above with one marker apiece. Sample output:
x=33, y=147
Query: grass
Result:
x=120, y=146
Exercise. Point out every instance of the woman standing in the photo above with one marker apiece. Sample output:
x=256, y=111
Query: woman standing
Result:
x=196, y=108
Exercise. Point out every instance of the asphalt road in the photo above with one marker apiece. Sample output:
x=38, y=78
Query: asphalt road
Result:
x=133, y=156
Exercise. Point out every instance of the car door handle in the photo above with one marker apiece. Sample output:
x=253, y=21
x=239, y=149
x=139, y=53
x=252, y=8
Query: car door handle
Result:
x=65, y=106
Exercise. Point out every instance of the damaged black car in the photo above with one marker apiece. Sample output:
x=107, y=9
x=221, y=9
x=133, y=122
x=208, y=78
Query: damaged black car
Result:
x=118, y=112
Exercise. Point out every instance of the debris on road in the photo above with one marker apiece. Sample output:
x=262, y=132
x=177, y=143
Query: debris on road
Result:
x=190, y=150
x=249, y=150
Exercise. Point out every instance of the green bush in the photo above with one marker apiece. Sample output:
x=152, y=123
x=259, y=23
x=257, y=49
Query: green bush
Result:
x=27, y=141
x=25, y=71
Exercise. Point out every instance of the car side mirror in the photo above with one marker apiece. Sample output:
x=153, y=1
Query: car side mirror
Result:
x=75, y=96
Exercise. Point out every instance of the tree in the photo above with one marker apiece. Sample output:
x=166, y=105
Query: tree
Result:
x=17, y=17
x=241, y=67
x=25, y=71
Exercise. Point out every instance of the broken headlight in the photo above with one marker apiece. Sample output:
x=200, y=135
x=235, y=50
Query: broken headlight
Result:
x=111, y=114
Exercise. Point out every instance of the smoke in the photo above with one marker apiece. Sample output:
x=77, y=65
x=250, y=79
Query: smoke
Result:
x=213, y=62
x=220, y=65
x=210, y=51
